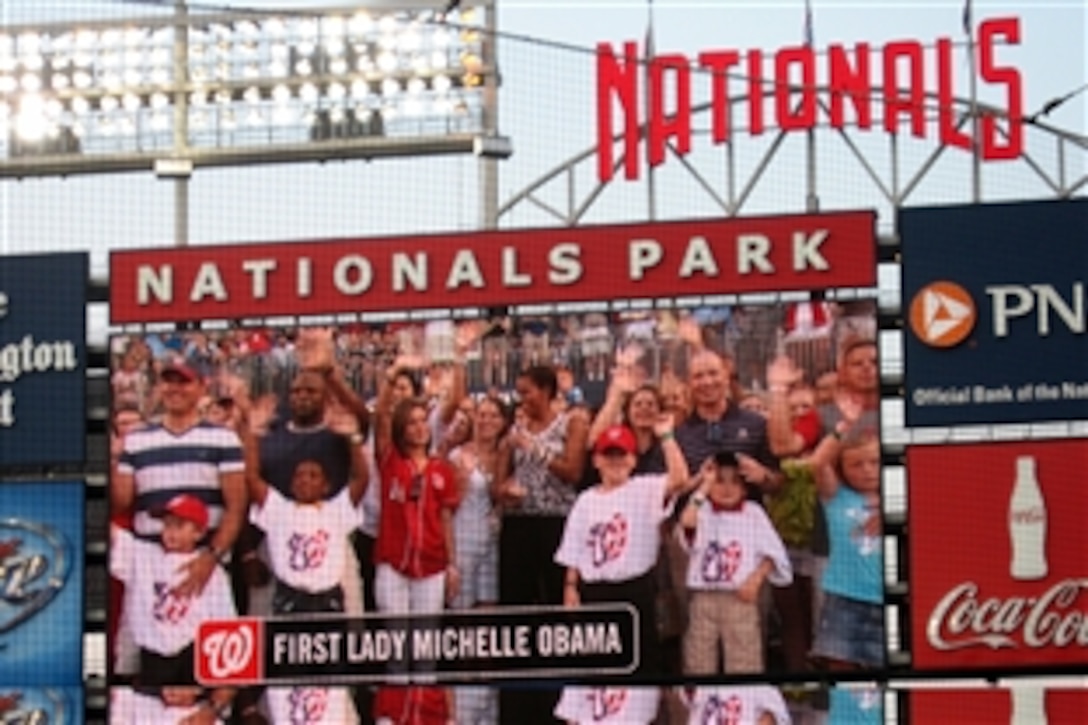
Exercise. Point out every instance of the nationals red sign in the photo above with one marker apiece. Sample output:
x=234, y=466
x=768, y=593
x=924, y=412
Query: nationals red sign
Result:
x=911, y=75
x=698, y=257
x=1019, y=706
x=230, y=652
x=998, y=557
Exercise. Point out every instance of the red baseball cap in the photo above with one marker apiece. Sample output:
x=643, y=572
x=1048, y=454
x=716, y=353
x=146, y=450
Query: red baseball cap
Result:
x=180, y=368
x=615, y=437
x=188, y=507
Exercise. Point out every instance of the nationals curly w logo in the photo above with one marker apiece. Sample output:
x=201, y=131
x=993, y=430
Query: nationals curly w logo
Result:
x=608, y=540
x=169, y=606
x=723, y=711
x=308, y=552
x=608, y=701
x=720, y=563
x=308, y=705
x=229, y=651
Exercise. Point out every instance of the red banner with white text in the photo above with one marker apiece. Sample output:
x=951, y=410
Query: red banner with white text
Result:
x=630, y=261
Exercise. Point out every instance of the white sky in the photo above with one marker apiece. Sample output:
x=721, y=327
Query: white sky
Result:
x=547, y=104
x=547, y=109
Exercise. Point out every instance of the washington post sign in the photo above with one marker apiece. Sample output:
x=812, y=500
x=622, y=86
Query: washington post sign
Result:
x=996, y=312
x=42, y=356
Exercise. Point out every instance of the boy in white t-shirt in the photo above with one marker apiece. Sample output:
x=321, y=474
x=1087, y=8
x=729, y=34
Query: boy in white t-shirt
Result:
x=747, y=705
x=733, y=549
x=164, y=622
x=580, y=705
x=311, y=705
x=612, y=534
x=307, y=537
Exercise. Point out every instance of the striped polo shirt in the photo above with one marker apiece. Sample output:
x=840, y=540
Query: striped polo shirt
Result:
x=165, y=464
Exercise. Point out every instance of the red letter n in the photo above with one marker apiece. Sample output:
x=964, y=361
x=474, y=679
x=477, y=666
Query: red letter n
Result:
x=622, y=80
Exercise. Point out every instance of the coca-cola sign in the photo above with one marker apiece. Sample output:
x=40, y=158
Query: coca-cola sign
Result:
x=998, y=558
x=966, y=618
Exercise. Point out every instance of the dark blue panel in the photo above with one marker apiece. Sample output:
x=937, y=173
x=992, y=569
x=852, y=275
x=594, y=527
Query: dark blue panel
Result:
x=42, y=316
x=1024, y=267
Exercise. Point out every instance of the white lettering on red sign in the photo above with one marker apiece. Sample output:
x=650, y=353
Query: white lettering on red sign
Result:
x=706, y=256
x=354, y=274
x=963, y=619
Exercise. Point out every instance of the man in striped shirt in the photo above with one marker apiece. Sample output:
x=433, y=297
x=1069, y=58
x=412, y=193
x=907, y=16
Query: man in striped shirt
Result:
x=183, y=455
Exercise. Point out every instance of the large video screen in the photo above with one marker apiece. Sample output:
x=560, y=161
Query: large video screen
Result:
x=424, y=512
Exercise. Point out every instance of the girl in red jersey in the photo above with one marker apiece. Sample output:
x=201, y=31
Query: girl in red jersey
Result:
x=414, y=550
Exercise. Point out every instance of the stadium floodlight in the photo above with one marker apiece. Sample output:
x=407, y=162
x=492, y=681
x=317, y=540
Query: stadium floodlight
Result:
x=378, y=78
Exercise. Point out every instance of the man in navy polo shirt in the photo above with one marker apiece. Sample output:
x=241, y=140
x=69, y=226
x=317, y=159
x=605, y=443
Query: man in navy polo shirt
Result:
x=716, y=424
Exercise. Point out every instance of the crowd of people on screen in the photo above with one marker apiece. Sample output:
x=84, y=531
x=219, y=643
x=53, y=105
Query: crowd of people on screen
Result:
x=718, y=469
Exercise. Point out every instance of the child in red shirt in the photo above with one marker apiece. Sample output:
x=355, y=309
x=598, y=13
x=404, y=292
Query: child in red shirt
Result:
x=414, y=550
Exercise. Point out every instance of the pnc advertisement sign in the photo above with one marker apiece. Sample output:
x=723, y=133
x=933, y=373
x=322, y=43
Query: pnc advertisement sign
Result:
x=998, y=555
x=42, y=341
x=912, y=72
x=996, y=312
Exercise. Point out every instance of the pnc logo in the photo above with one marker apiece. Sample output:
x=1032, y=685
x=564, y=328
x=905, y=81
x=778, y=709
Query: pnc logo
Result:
x=942, y=314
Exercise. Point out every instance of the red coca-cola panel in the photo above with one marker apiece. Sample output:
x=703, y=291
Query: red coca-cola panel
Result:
x=229, y=652
x=998, y=559
x=996, y=706
x=571, y=264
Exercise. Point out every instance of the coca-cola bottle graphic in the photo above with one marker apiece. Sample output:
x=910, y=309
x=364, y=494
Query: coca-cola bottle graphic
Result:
x=1028, y=706
x=1027, y=524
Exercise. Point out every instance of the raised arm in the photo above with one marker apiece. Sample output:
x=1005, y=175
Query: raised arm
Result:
x=342, y=393
x=830, y=446
x=342, y=420
x=611, y=412
x=383, y=416
x=679, y=478
x=456, y=390
x=784, y=440
x=360, y=471
x=569, y=465
x=689, y=517
x=256, y=487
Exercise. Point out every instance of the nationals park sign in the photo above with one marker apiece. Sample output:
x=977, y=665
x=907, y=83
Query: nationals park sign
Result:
x=909, y=77
x=482, y=269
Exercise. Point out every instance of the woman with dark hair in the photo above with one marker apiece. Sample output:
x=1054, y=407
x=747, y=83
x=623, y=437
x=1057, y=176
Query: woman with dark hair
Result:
x=638, y=407
x=549, y=451
x=414, y=550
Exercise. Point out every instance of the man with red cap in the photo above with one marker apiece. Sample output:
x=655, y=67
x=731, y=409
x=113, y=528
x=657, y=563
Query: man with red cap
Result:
x=612, y=535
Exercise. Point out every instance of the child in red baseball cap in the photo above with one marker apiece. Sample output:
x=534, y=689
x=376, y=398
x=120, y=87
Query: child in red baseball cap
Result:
x=165, y=622
x=612, y=535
